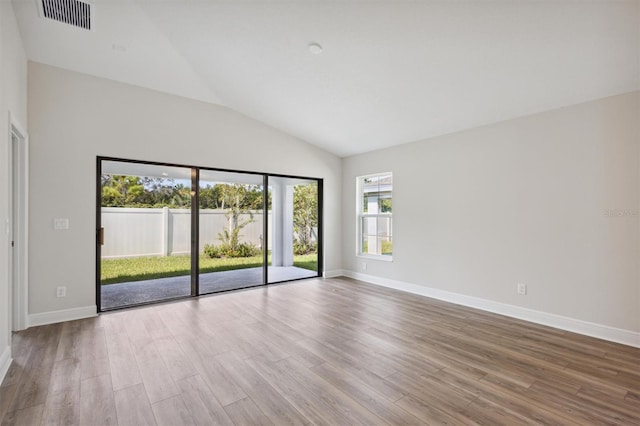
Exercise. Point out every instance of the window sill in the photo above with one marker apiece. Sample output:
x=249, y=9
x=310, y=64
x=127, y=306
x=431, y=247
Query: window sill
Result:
x=376, y=257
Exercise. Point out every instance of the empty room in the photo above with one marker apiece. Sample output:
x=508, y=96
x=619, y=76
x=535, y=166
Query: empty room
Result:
x=312, y=212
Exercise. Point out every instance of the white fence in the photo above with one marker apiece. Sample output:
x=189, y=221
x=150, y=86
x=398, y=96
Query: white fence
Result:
x=133, y=232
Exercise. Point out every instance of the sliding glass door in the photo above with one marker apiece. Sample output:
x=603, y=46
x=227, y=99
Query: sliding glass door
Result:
x=293, y=240
x=231, y=231
x=145, y=233
x=171, y=231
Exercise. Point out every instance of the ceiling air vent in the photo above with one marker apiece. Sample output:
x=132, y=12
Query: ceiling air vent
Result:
x=72, y=12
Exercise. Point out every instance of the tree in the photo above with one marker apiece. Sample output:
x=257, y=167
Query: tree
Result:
x=135, y=191
x=209, y=197
x=305, y=215
x=239, y=200
x=118, y=191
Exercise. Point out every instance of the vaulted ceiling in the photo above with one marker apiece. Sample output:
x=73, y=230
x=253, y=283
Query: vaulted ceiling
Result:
x=389, y=72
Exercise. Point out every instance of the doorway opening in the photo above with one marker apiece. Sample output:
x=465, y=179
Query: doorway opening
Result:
x=169, y=231
x=145, y=233
x=294, y=237
x=18, y=224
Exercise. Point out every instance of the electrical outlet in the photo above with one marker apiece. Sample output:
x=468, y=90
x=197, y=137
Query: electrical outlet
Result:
x=364, y=266
x=522, y=288
x=61, y=292
x=60, y=224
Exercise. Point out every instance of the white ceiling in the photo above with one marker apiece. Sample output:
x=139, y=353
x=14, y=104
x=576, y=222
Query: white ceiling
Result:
x=125, y=168
x=390, y=72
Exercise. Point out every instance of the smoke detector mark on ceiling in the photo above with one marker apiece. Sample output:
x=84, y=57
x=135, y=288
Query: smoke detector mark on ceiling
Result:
x=72, y=12
x=315, y=48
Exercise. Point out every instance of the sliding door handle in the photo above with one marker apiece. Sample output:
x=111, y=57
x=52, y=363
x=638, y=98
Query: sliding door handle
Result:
x=101, y=236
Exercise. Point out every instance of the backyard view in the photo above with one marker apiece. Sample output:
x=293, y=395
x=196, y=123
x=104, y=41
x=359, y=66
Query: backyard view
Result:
x=144, y=268
x=147, y=225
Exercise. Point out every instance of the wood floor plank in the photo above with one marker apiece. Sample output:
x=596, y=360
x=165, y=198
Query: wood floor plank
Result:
x=7, y=393
x=316, y=410
x=172, y=412
x=550, y=407
x=201, y=403
x=632, y=397
x=29, y=416
x=34, y=382
x=33, y=388
x=428, y=389
x=389, y=391
x=221, y=383
x=155, y=325
x=410, y=343
x=122, y=362
x=610, y=406
x=266, y=398
x=93, y=344
x=115, y=322
x=14, y=374
x=155, y=375
x=21, y=345
x=482, y=411
x=97, y=402
x=69, y=344
x=365, y=395
x=428, y=413
x=333, y=400
x=65, y=375
x=94, y=367
x=177, y=363
x=246, y=413
x=133, y=407
x=62, y=408
x=45, y=348
x=319, y=351
x=201, y=354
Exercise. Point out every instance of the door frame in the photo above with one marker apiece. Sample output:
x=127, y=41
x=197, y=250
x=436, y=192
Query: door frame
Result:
x=18, y=225
x=195, y=177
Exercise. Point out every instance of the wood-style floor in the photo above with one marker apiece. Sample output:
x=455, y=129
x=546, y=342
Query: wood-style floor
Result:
x=333, y=351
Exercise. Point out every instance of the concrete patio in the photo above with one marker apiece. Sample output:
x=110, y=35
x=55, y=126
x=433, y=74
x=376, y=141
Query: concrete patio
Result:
x=133, y=293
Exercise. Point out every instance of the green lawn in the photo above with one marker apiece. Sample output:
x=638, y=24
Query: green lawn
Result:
x=387, y=247
x=147, y=268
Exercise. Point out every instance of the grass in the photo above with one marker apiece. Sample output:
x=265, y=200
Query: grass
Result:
x=146, y=268
x=387, y=247
x=306, y=261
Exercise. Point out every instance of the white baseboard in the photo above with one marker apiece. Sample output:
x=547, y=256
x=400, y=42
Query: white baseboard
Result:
x=5, y=362
x=334, y=274
x=626, y=337
x=62, y=315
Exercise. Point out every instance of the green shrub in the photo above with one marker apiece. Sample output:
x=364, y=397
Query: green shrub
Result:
x=225, y=250
x=245, y=250
x=212, y=251
x=300, y=248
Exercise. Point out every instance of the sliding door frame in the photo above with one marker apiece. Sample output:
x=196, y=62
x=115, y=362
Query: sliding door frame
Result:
x=98, y=236
x=195, y=231
x=265, y=230
x=195, y=225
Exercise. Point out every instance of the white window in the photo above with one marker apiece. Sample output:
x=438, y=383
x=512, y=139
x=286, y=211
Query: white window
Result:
x=375, y=221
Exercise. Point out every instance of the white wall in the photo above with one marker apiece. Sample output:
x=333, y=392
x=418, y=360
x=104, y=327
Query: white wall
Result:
x=75, y=117
x=522, y=201
x=13, y=98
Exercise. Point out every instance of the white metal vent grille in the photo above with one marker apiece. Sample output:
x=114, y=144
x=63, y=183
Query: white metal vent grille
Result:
x=72, y=12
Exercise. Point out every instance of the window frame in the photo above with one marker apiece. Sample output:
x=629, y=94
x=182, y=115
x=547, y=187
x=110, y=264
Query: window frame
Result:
x=361, y=215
